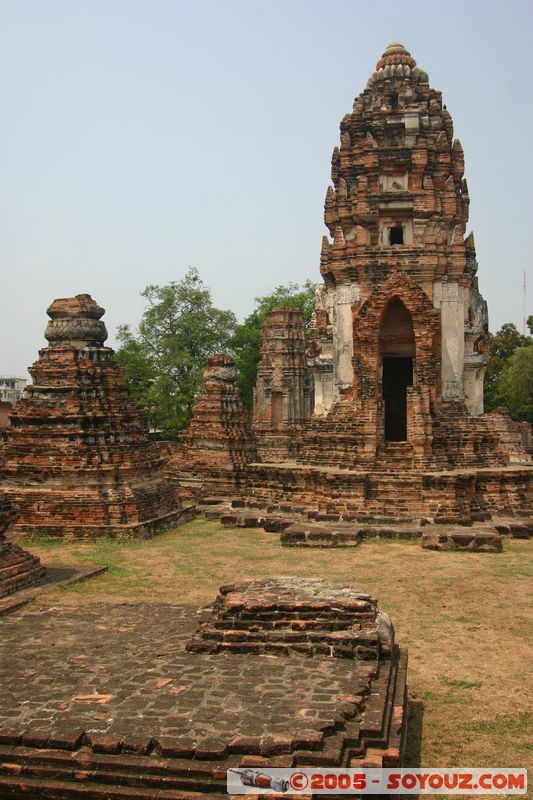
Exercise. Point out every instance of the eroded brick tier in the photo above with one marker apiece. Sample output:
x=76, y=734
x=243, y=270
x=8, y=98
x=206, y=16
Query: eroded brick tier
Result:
x=212, y=452
x=299, y=616
x=78, y=461
x=18, y=568
x=112, y=704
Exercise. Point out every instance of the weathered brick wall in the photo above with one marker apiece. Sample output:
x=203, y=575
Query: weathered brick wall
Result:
x=460, y=495
x=514, y=437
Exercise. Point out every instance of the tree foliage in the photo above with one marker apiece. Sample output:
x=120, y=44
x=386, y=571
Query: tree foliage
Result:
x=502, y=346
x=515, y=383
x=164, y=361
x=246, y=342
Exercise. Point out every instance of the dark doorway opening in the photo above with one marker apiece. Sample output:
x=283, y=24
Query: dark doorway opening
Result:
x=396, y=235
x=397, y=349
x=397, y=376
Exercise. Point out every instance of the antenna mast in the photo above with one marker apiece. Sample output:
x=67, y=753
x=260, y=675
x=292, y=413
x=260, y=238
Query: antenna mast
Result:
x=524, y=306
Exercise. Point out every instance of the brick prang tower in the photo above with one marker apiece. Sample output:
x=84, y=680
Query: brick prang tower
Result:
x=400, y=327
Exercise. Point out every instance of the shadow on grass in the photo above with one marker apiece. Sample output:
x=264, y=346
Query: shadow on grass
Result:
x=415, y=727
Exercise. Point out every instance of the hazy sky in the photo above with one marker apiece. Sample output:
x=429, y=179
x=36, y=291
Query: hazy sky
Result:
x=139, y=137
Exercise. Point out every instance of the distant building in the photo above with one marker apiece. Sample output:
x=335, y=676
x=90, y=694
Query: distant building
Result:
x=12, y=389
x=5, y=410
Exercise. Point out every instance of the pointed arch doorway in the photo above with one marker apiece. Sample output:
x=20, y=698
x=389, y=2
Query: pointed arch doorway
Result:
x=397, y=361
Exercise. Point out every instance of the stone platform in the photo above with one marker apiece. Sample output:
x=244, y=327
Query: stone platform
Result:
x=105, y=701
x=473, y=542
x=454, y=495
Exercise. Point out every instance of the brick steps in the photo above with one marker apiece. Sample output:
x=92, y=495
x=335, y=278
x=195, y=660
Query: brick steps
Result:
x=301, y=528
x=283, y=616
x=91, y=787
x=18, y=568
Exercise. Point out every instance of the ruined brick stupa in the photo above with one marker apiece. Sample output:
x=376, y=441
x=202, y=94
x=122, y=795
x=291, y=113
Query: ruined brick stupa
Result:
x=78, y=461
x=282, y=395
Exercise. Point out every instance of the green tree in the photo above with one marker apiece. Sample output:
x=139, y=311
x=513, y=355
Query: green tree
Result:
x=502, y=345
x=246, y=342
x=515, y=383
x=165, y=359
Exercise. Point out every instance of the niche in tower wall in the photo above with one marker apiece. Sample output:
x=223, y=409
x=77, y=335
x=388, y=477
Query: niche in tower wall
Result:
x=277, y=409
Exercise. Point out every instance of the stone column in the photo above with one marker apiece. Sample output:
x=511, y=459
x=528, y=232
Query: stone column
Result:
x=345, y=297
x=448, y=297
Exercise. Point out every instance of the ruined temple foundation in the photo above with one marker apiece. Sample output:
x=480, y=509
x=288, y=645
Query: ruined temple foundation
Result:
x=381, y=416
x=473, y=542
x=18, y=568
x=78, y=461
x=462, y=496
x=331, y=693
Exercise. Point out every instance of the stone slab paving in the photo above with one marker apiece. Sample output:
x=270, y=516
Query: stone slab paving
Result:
x=105, y=702
x=53, y=577
x=119, y=676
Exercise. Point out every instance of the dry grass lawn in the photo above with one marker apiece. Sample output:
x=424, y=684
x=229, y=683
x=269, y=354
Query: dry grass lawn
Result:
x=464, y=617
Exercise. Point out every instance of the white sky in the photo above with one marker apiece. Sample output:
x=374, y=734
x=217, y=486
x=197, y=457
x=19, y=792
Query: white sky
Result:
x=143, y=136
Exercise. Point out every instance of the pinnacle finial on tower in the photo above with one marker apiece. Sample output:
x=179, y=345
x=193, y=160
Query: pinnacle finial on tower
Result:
x=75, y=320
x=396, y=54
